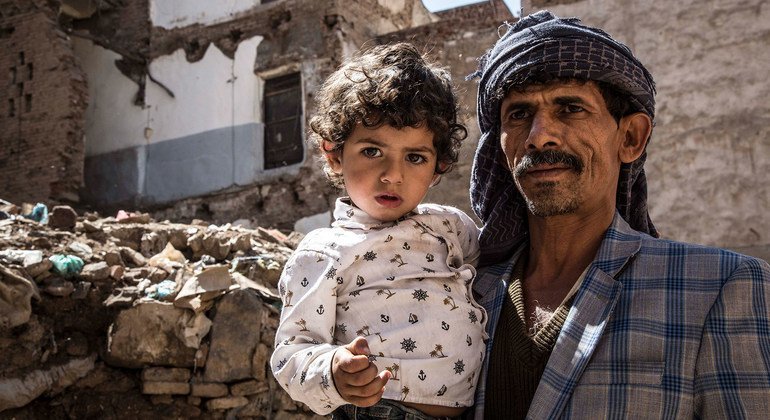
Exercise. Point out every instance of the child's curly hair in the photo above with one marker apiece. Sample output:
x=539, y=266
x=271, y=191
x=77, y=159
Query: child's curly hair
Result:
x=394, y=85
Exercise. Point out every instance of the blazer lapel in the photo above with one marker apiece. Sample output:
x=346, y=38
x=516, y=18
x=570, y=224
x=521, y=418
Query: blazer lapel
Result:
x=587, y=319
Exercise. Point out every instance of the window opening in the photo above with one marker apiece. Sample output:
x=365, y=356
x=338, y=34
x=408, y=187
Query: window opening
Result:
x=283, y=121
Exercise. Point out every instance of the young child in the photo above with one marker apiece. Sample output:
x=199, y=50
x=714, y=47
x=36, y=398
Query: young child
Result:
x=384, y=295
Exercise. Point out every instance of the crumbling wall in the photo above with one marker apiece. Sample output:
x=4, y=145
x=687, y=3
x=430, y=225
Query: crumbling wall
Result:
x=44, y=98
x=710, y=150
x=125, y=317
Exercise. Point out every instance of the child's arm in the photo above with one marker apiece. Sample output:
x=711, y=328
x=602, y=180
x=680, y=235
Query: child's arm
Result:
x=302, y=360
x=469, y=239
x=355, y=377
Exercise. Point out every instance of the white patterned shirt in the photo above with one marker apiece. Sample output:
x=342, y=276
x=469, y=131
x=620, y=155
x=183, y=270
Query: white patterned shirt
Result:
x=404, y=285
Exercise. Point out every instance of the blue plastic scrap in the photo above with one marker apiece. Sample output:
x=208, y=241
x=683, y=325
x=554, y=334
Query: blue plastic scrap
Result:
x=67, y=266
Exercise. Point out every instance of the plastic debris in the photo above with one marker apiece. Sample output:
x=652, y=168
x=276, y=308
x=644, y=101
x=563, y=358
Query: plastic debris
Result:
x=39, y=213
x=161, y=290
x=67, y=266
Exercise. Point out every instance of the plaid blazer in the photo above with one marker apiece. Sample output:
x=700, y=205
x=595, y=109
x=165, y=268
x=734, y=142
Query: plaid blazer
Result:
x=658, y=329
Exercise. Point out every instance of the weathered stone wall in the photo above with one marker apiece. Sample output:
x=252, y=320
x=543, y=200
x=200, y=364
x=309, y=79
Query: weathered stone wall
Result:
x=43, y=100
x=710, y=150
x=116, y=318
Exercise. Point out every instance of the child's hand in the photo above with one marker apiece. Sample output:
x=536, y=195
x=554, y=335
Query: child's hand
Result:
x=355, y=376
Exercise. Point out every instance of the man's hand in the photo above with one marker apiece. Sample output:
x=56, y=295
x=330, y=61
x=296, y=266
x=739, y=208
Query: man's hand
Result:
x=355, y=377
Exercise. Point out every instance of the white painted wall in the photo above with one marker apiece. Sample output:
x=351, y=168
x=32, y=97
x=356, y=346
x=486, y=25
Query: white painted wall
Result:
x=112, y=121
x=180, y=13
x=212, y=93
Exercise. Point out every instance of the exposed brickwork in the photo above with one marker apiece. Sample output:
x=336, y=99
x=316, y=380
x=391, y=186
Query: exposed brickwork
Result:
x=42, y=107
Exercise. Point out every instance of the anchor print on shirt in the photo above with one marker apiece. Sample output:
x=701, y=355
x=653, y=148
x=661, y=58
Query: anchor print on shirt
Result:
x=448, y=225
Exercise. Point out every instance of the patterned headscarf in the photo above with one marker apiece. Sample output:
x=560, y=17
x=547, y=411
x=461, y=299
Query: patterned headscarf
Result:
x=541, y=44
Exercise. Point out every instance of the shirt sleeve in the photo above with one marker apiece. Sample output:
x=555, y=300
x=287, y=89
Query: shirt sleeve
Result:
x=301, y=361
x=732, y=374
x=469, y=238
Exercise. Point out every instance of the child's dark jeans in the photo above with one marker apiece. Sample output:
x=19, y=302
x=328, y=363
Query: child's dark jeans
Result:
x=384, y=409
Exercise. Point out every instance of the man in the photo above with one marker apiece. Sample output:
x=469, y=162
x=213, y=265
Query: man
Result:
x=589, y=314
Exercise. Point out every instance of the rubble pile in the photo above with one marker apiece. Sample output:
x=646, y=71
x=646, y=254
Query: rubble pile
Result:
x=126, y=317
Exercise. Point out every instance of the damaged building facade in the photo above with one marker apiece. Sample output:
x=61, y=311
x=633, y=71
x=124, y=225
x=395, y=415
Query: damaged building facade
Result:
x=199, y=112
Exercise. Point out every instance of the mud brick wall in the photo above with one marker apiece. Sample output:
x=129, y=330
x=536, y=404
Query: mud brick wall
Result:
x=42, y=106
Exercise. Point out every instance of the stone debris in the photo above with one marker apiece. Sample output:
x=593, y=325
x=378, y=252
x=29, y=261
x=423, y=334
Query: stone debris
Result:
x=166, y=318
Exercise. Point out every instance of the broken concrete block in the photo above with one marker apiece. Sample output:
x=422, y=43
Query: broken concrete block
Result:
x=232, y=345
x=259, y=362
x=216, y=246
x=113, y=258
x=18, y=392
x=148, y=334
x=81, y=249
x=21, y=256
x=226, y=403
x=165, y=388
x=57, y=286
x=250, y=387
x=62, y=217
x=95, y=272
x=16, y=293
x=39, y=268
x=132, y=257
x=117, y=271
x=208, y=389
x=161, y=374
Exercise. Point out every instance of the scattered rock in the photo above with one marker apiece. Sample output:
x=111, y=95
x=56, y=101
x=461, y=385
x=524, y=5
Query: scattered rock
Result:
x=95, y=272
x=231, y=344
x=62, y=217
x=148, y=334
x=226, y=403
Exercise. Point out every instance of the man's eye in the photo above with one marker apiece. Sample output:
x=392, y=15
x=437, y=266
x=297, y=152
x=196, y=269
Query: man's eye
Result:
x=518, y=114
x=371, y=152
x=414, y=158
x=571, y=109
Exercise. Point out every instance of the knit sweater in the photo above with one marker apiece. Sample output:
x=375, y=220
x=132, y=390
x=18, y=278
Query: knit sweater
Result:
x=518, y=360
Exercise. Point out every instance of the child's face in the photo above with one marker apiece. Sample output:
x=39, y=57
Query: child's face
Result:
x=387, y=171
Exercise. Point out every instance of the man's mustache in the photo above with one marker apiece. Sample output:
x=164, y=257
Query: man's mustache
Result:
x=548, y=157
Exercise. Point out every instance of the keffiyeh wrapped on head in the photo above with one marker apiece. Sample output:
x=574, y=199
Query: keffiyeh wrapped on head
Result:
x=542, y=44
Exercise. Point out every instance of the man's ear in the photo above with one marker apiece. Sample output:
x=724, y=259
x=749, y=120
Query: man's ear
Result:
x=333, y=156
x=636, y=129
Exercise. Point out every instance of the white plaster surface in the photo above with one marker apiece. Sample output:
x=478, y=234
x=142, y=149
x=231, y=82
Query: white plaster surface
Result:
x=212, y=93
x=113, y=122
x=307, y=224
x=171, y=14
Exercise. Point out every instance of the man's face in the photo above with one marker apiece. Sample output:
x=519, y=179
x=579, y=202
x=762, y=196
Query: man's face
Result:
x=562, y=147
